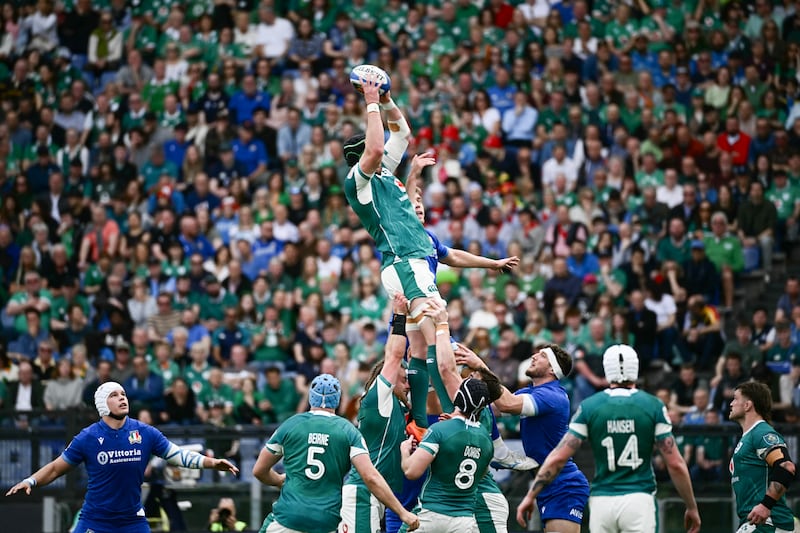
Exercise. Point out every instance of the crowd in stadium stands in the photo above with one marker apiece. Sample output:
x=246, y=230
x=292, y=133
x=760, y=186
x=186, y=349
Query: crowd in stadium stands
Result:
x=172, y=214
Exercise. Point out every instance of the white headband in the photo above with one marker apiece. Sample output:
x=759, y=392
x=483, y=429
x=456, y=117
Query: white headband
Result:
x=551, y=356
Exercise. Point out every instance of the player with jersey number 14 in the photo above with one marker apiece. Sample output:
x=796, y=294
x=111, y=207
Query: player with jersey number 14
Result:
x=623, y=425
x=761, y=469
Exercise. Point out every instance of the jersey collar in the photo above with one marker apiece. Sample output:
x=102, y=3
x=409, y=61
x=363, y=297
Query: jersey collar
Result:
x=753, y=427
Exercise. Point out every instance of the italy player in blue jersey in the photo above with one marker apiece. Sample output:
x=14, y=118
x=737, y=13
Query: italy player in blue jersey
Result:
x=116, y=451
x=545, y=410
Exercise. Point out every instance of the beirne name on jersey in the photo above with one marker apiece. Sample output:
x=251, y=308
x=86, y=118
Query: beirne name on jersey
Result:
x=384, y=208
x=317, y=448
x=624, y=425
x=383, y=426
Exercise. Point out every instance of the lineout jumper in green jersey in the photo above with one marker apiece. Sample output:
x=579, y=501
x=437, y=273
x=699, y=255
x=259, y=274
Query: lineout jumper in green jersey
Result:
x=623, y=426
x=317, y=448
x=750, y=475
x=382, y=204
x=383, y=424
x=462, y=451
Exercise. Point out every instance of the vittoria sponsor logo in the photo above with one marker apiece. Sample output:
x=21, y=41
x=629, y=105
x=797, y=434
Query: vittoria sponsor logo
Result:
x=119, y=456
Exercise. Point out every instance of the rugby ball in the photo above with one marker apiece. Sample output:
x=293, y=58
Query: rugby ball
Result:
x=361, y=71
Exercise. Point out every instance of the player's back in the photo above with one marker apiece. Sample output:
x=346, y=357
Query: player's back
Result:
x=463, y=451
x=316, y=456
x=622, y=426
x=382, y=424
x=384, y=208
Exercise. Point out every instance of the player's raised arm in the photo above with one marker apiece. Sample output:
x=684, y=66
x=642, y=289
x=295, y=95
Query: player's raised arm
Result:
x=399, y=133
x=396, y=345
x=445, y=359
x=370, y=161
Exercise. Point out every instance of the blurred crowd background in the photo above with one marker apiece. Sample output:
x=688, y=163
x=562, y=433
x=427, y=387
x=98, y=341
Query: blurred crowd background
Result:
x=172, y=214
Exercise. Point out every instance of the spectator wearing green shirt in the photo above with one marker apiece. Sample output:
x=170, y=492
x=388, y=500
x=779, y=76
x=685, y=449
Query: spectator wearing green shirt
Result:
x=216, y=392
x=786, y=200
x=31, y=297
x=675, y=245
x=281, y=396
x=725, y=251
x=757, y=218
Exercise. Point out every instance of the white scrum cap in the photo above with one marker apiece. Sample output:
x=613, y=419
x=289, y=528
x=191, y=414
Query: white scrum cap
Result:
x=621, y=363
x=101, y=396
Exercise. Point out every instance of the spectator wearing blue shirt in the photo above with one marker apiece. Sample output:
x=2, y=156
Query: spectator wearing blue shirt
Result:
x=227, y=336
x=113, y=500
x=580, y=262
x=195, y=332
x=244, y=102
x=175, y=149
x=267, y=246
x=227, y=170
x=192, y=240
x=200, y=195
x=502, y=92
x=519, y=122
x=251, y=265
x=293, y=136
x=250, y=152
x=145, y=388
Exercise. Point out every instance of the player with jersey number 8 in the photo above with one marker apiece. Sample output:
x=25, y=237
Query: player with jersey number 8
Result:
x=623, y=425
x=116, y=451
x=318, y=448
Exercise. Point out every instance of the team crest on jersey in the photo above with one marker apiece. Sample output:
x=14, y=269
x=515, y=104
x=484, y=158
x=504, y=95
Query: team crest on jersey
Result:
x=772, y=439
x=400, y=185
x=134, y=437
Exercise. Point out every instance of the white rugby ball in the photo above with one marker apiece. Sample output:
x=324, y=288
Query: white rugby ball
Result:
x=361, y=71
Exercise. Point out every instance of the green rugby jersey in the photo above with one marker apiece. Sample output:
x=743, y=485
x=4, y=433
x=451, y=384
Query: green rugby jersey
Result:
x=622, y=426
x=462, y=451
x=750, y=474
x=383, y=426
x=487, y=484
x=384, y=208
x=317, y=448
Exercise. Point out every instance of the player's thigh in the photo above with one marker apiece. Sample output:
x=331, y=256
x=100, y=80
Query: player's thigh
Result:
x=361, y=511
x=491, y=512
x=566, y=506
x=603, y=514
x=411, y=277
x=272, y=526
x=638, y=513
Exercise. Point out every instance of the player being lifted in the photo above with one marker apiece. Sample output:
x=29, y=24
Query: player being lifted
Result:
x=318, y=448
x=381, y=201
x=623, y=425
x=761, y=469
x=381, y=421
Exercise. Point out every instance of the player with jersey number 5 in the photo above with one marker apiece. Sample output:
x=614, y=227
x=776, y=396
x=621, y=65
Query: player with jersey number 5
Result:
x=318, y=447
x=623, y=425
x=381, y=201
x=761, y=469
x=116, y=451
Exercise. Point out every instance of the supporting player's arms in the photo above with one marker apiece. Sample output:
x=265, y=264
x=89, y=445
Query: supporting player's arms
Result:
x=396, y=345
x=782, y=474
x=263, y=471
x=679, y=474
x=549, y=470
x=378, y=486
x=502, y=397
x=414, y=464
x=47, y=474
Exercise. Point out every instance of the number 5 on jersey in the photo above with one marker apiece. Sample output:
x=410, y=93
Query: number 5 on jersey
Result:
x=312, y=461
x=629, y=457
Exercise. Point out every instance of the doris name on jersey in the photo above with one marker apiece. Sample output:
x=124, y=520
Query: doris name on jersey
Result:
x=473, y=452
x=621, y=426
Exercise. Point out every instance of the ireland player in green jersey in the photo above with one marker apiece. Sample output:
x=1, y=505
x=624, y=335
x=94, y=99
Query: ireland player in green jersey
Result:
x=382, y=422
x=458, y=452
x=623, y=425
x=382, y=203
x=761, y=469
x=318, y=449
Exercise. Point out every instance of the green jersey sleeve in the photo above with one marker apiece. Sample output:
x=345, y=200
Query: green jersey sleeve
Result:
x=431, y=440
x=275, y=442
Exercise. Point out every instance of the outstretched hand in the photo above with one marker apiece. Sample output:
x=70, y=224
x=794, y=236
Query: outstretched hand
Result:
x=465, y=356
x=22, y=485
x=421, y=161
x=507, y=265
x=223, y=465
x=525, y=510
